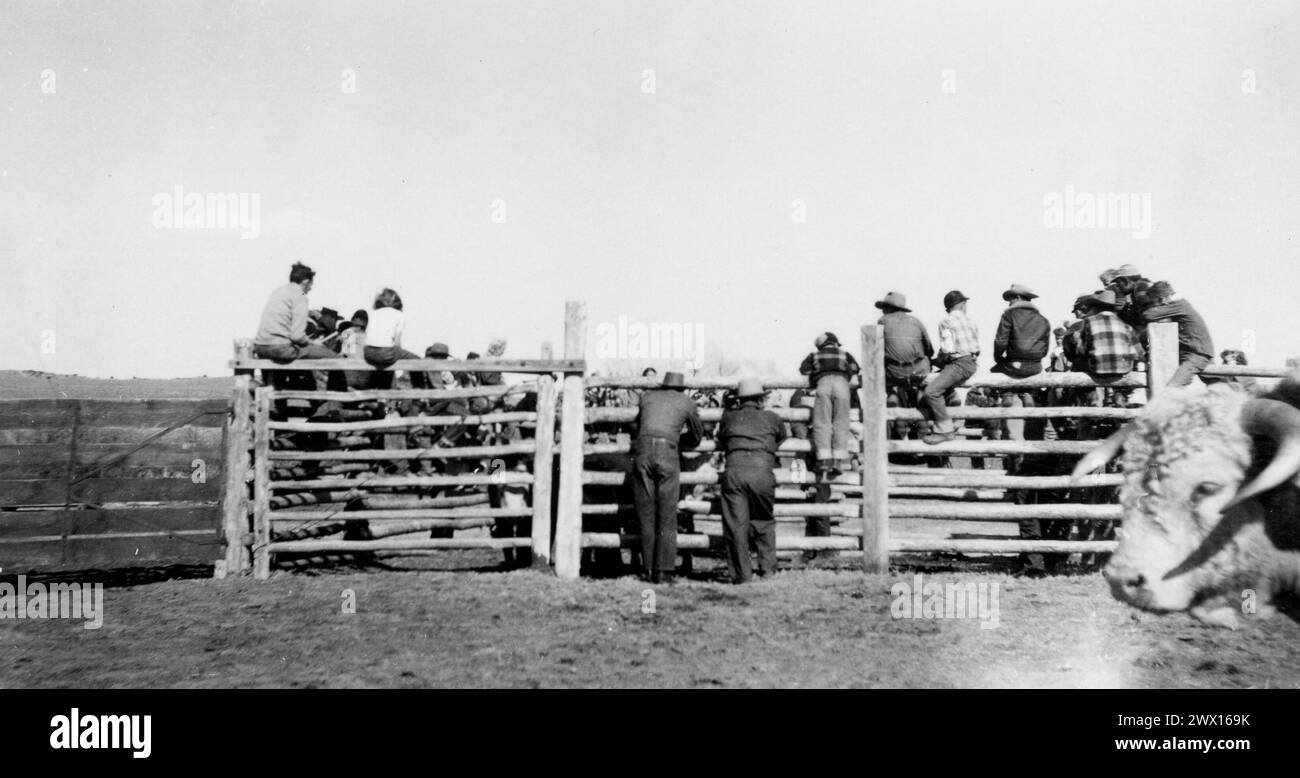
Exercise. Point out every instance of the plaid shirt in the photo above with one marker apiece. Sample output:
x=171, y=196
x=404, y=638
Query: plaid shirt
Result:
x=958, y=335
x=829, y=359
x=1105, y=345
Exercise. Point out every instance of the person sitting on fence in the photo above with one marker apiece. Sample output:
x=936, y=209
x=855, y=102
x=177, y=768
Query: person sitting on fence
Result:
x=1129, y=286
x=749, y=435
x=445, y=379
x=282, y=331
x=1195, y=347
x=907, y=359
x=352, y=344
x=1104, y=348
x=1019, y=347
x=959, y=347
x=830, y=369
x=384, y=340
x=656, y=471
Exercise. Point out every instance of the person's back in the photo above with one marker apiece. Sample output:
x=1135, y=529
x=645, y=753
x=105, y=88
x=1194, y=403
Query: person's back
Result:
x=663, y=413
x=1022, y=340
x=1193, y=334
x=751, y=429
x=284, y=318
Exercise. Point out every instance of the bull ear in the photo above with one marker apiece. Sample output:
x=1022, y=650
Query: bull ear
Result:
x=1279, y=422
x=1097, y=458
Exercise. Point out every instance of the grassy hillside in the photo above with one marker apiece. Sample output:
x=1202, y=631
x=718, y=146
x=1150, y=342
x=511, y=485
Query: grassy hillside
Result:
x=32, y=384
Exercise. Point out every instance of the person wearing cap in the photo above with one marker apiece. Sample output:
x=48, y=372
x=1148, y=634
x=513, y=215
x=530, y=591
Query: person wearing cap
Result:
x=1195, y=347
x=830, y=369
x=282, y=330
x=907, y=358
x=959, y=347
x=1021, y=343
x=749, y=435
x=656, y=471
x=1129, y=286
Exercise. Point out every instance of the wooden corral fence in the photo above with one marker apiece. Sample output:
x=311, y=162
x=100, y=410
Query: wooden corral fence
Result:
x=317, y=484
x=88, y=484
x=325, y=472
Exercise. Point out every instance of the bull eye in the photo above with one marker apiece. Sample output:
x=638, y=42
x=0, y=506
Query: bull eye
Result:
x=1207, y=489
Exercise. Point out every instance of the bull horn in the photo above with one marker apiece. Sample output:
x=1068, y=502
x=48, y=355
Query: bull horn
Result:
x=1100, y=456
x=1279, y=422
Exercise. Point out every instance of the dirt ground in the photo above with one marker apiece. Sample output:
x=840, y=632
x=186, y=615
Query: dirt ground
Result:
x=827, y=626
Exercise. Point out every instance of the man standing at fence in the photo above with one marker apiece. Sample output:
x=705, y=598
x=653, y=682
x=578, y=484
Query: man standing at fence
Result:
x=907, y=358
x=1019, y=346
x=749, y=435
x=830, y=369
x=1195, y=348
x=656, y=471
x=959, y=347
x=282, y=332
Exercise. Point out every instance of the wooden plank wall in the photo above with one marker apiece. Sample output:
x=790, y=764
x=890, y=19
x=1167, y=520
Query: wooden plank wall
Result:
x=73, y=472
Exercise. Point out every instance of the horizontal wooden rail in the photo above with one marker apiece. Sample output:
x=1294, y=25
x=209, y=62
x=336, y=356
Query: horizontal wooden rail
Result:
x=1053, y=412
x=412, y=513
x=707, y=415
x=918, y=509
x=402, y=422
x=425, y=365
x=395, y=544
x=1008, y=546
x=983, y=479
x=461, y=452
x=374, y=395
x=794, y=445
x=695, y=541
x=1246, y=371
x=783, y=476
x=1135, y=380
x=704, y=507
x=107, y=536
x=696, y=382
x=960, y=447
x=503, y=478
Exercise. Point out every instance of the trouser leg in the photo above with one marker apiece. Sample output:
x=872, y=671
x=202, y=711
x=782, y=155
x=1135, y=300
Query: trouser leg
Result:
x=667, y=494
x=643, y=497
x=735, y=527
x=1190, y=367
x=840, y=418
x=762, y=523
x=822, y=417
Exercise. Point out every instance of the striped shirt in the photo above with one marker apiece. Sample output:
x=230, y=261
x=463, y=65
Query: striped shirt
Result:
x=958, y=335
x=827, y=360
x=1104, y=346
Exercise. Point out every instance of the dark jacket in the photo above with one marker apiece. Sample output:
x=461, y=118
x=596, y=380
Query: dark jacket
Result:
x=664, y=412
x=750, y=428
x=1193, y=334
x=1023, y=336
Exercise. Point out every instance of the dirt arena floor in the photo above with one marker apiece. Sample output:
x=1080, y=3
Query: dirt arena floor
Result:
x=817, y=625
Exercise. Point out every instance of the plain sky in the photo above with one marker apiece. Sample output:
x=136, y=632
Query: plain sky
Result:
x=920, y=137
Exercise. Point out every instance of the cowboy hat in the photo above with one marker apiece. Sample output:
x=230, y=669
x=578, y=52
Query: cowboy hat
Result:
x=674, y=380
x=1018, y=290
x=1103, y=299
x=1128, y=271
x=1108, y=276
x=894, y=300
x=750, y=387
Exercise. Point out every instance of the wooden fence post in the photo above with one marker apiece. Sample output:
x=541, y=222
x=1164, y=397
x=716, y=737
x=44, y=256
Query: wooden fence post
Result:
x=568, y=520
x=234, y=500
x=261, y=483
x=543, y=463
x=1162, y=356
x=875, y=453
